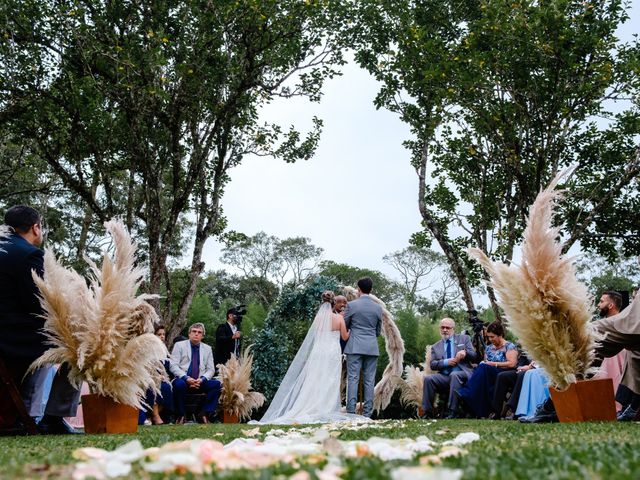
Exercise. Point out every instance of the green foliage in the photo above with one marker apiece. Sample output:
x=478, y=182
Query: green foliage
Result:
x=221, y=286
x=428, y=334
x=267, y=261
x=253, y=323
x=384, y=288
x=514, y=90
x=200, y=310
x=142, y=111
x=284, y=330
x=600, y=274
x=408, y=325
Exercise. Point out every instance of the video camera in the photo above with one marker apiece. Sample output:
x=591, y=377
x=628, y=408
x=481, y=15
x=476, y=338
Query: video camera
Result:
x=238, y=312
x=476, y=324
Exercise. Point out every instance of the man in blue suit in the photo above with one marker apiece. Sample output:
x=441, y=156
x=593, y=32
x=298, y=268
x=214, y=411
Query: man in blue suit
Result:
x=451, y=359
x=21, y=338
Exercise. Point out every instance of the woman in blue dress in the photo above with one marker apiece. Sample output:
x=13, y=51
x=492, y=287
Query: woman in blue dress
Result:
x=499, y=355
x=534, y=392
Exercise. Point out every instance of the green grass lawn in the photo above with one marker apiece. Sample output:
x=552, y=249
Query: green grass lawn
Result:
x=506, y=450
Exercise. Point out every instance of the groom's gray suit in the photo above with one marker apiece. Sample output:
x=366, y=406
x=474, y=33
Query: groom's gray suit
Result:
x=363, y=318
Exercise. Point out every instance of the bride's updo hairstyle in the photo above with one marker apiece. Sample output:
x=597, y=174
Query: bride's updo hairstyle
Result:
x=328, y=296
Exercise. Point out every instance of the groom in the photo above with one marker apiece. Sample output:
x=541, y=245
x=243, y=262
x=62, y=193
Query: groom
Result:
x=363, y=317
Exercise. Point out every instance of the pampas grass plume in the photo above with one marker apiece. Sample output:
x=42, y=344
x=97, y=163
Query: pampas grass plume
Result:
x=237, y=396
x=547, y=308
x=103, y=331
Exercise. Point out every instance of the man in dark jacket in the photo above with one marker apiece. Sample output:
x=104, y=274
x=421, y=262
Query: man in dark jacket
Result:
x=22, y=340
x=228, y=338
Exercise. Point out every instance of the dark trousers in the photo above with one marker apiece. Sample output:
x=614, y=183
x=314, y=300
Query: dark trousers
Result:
x=210, y=387
x=63, y=397
x=165, y=400
x=477, y=394
x=505, y=383
x=515, y=394
x=440, y=383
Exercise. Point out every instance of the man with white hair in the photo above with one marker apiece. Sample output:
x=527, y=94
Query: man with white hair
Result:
x=451, y=358
x=192, y=364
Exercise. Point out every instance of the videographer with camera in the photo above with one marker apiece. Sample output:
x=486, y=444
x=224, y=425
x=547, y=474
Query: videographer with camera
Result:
x=229, y=336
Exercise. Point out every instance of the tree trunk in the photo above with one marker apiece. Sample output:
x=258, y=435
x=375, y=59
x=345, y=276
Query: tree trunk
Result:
x=86, y=220
x=438, y=234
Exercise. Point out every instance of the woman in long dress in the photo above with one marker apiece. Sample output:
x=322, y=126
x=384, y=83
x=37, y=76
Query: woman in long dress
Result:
x=310, y=390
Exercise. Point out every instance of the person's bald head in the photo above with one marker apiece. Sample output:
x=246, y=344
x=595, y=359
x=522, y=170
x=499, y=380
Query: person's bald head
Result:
x=447, y=328
x=340, y=303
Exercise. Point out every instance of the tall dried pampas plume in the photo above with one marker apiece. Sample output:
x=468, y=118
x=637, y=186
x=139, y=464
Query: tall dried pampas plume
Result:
x=237, y=397
x=104, y=332
x=411, y=387
x=548, y=309
x=394, y=345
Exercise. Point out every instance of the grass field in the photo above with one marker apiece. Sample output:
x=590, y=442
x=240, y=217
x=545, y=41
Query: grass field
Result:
x=506, y=450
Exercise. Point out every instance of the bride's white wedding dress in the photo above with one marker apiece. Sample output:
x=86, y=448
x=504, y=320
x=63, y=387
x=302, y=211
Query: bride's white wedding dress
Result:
x=310, y=390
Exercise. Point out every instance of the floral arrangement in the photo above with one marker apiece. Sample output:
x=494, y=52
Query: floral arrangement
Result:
x=395, y=349
x=237, y=397
x=103, y=331
x=547, y=308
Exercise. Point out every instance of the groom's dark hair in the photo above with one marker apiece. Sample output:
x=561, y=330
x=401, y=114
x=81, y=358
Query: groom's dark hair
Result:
x=365, y=285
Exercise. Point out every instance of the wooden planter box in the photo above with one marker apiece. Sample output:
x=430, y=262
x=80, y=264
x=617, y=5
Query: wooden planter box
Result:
x=228, y=417
x=586, y=401
x=104, y=415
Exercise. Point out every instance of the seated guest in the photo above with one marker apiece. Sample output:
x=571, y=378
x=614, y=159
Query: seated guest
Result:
x=164, y=401
x=22, y=339
x=192, y=365
x=533, y=392
x=500, y=355
x=505, y=383
x=512, y=403
x=451, y=357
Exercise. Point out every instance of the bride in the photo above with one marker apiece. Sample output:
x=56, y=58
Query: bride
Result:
x=310, y=390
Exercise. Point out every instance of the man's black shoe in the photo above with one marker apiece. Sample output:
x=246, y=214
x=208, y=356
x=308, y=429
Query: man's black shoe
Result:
x=451, y=414
x=545, y=413
x=627, y=415
x=544, y=418
x=427, y=414
x=51, y=425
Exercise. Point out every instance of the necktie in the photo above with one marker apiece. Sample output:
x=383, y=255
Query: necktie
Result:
x=449, y=355
x=195, y=363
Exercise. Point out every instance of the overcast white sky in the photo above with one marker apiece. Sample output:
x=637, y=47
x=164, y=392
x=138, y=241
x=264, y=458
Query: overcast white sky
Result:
x=357, y=198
